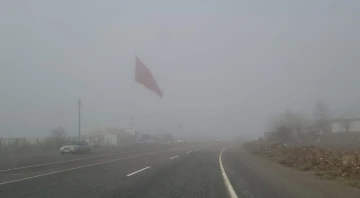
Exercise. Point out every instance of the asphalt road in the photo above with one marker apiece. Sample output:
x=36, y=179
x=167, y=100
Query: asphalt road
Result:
x=188, y=170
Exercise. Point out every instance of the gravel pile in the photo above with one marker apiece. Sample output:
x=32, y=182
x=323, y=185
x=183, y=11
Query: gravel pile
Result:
x=325, y=162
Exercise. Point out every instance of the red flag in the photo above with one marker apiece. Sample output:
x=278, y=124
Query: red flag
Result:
x=144, y=76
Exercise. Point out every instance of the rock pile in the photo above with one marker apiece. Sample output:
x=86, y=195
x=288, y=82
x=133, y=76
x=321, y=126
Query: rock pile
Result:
x=325, y=162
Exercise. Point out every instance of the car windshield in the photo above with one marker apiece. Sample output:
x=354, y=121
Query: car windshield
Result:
x=74, y=143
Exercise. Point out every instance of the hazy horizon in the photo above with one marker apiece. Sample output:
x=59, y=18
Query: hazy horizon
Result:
x=224, y=67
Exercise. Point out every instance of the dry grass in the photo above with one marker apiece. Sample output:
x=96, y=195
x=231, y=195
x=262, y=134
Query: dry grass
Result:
x=326, y=163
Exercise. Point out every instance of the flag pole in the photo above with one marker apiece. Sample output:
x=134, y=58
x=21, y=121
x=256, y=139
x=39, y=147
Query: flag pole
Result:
x=133, y=121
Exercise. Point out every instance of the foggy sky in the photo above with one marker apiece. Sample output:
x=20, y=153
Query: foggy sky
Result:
x=224, y=67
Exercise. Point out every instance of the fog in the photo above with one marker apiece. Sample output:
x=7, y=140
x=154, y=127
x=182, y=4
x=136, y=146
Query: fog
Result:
x=225, y=67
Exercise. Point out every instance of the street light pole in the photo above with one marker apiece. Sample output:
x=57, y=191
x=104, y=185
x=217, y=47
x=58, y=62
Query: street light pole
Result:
x=79, y=119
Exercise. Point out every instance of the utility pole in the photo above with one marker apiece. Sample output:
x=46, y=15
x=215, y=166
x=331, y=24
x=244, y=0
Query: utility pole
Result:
x=131, y=122
x=79, y=119
x=133, y=128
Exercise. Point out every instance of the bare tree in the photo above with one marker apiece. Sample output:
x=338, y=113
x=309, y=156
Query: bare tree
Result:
x=322, y=116
x=321, y=110
x=346, y=124
x=58, y=133
x=58, y=136
x=286, y=125
x=295, y=121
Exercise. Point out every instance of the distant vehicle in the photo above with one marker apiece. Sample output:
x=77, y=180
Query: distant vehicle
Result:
x=75, y=146
x=180, y=141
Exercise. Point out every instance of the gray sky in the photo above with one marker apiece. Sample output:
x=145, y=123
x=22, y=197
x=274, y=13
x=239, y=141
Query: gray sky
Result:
x=224, y=66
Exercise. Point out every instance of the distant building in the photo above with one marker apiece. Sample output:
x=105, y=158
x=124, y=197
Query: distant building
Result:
x=345, y=125
x=110, y=137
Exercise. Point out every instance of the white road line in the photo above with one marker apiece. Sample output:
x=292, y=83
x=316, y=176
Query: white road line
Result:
x=189, y=152
x=173, y=157
x=128, y=175
x=60, y=162
x=230, y=190
x=70, y=169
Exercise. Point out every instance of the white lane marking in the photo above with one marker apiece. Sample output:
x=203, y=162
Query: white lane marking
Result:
x=229, y=188
x=128, y=175
x=60, y=162
x=173, y=157
x=70, y=169
x=189, y=152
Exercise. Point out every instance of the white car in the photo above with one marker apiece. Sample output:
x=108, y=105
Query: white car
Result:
x=75, y=146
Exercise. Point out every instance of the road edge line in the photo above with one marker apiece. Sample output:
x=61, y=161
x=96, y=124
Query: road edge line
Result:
x=230, y=190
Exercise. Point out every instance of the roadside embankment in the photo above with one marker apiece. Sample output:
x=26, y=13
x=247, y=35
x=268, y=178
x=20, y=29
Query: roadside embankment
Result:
x=326, y=163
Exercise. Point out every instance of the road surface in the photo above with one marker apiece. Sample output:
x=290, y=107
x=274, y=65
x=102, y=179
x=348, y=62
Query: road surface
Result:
x=188, y=170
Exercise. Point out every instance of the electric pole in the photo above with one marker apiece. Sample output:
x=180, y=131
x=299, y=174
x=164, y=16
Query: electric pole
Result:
x=131, y=122
x=79, y=119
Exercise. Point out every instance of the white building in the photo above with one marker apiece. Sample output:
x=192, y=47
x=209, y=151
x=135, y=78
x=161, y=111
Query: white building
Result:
x=110, y=137
x=347, y=124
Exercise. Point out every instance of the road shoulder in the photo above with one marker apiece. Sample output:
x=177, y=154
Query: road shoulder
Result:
x=285, y=181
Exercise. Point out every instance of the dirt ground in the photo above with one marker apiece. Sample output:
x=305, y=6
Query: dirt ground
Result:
x=327, y=160
x=296, y=183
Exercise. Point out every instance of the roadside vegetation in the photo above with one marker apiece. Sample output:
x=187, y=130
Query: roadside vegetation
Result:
x=326, y=163
x=309, y=145
x=56, y=138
